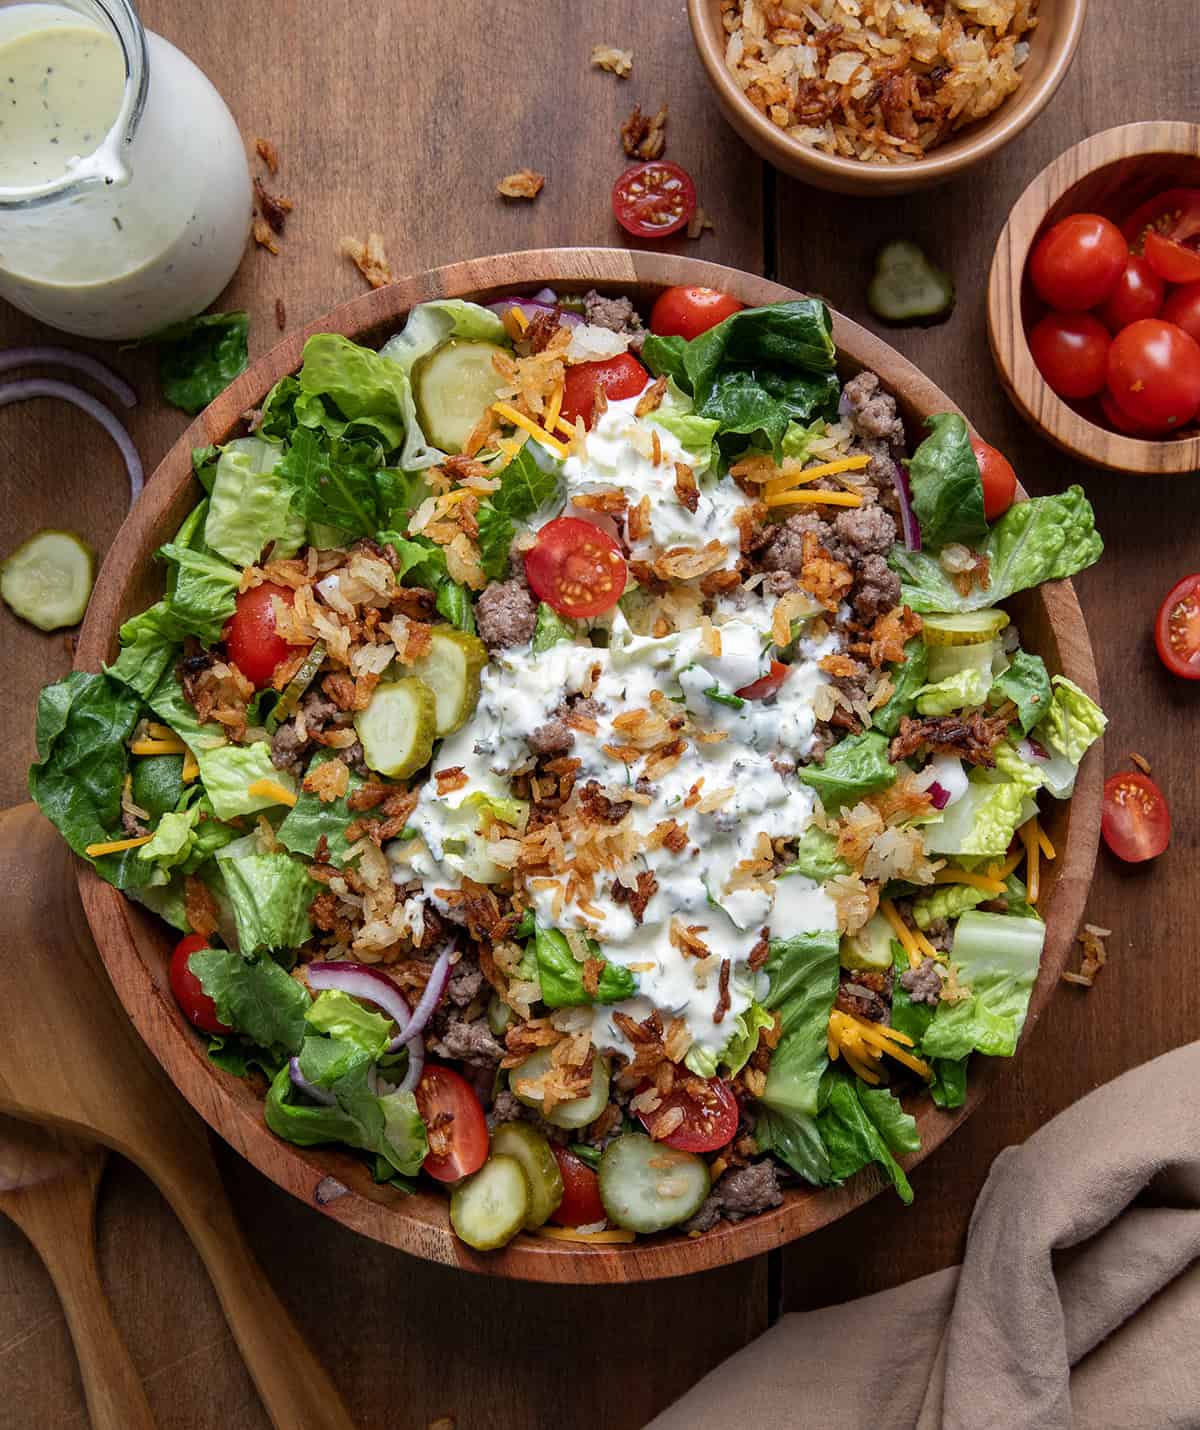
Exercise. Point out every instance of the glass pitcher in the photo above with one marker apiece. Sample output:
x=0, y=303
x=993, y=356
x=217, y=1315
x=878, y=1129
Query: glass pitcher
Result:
x=125, y=198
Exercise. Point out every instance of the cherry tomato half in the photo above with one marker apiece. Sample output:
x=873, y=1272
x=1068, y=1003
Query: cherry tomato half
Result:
x=618, y=377
x=710, y=1118
x=1137, y=293
x=576, y=568
x=1173, y=262
x=1154, y=374
x=1136, y=822
x=767, y=684
x=1175, y=212
x=1071, y=352
x=1075, y=264
x=689, y=310
x=581, y=1204
x=1121, y=421
x=454, y=1123
x=999, y=479
x=1183, y=309
x=197, y=1006
x=654, y=199
x=1177, y=629
x=250, y=633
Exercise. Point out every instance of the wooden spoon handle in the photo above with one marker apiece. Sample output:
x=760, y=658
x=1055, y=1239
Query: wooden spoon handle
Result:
x=115, y=1398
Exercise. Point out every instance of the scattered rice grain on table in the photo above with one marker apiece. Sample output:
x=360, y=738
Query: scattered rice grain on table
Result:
x=883, y=81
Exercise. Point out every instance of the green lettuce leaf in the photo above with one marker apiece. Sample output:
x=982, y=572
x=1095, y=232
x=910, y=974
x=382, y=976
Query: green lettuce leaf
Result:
x=228, y=771
x=453, y=601
x=816, y=856
x=204, y=465
x=742, y=1041
x=1072, y=724
x=339, y=1016
x=1044, y=539
x=552, y=628
x=525, y=487
x=860, y=1125
x=949, y=1085
x=855, y=767
x=335, y=483
x=200, y=357
x=364, y=388
x=907, y=679
x=947, y=901
x=310, y=818
x=255, y=998
x=803, y=973
x=165, y=900
x=203, y=593
x=389, y=1126
x=173, y=839
x=748, y=401
x=794, y=1138
x=982, y=822
x=250, y=505
x=561, y=974
x=1026, y=683
x=954, y=692
x=149, y=648
x=83, y=723
x=997, y=957
x=675, y=414
x=270, y=894
x=947, y=490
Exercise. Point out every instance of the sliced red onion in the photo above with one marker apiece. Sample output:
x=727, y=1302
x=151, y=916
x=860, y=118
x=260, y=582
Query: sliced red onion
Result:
x=1029, y=749
x=28, y=387
x=44, y=356
x=439, y=976
x=938, y=794
x=531, y=306
x=416, y=1065
x=360, y=980
x=546, y=295
x=309, y=1089
x=909, y=525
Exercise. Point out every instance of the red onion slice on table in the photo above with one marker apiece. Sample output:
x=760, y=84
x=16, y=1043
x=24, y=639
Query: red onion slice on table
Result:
x=45, y=356
x=29, y=387
x=309, y=1089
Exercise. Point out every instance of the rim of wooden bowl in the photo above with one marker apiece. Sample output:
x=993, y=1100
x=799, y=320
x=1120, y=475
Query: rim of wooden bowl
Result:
x=134, y=945
x=1060, y=25
x=1028, y=390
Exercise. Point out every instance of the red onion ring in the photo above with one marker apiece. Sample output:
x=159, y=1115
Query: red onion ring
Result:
x=439, y=976
x=309, y=1089
x=360, y=980
x=546, y=295
x=531, y=306
x=28, y=387
x=416, y=1065
x=909, y=525
x=64, y=357
x=938, y=794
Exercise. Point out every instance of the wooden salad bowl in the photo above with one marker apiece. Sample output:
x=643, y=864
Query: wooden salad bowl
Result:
x=1110, y=174
x=136, y=946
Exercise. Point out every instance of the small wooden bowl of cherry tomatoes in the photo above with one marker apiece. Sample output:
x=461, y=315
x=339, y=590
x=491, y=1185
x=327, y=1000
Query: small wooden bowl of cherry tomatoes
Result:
x=1094, y=300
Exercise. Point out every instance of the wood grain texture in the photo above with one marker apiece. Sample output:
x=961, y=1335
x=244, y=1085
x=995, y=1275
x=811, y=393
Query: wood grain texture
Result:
x=1060, y=25
x=135, y=946
x=48, y=1187
x=1147, y=1000
x=1110, y=174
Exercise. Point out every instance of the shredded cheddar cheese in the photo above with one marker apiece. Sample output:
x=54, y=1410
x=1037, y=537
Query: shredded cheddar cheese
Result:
x=1002, y=871
x=271, y=789
x=1033, y=883
x=611, y=1237
x=173, y=746
x=902, y=931
x=160, y=732
x=555, y=407
x=984, y=882
x=812, y=474
x=526, y=424
x=863, y=1045
x=518, y=317
x=814, y=499
x=116, y=846
x=1043, y=842
x=190, y=768
x=560, y=424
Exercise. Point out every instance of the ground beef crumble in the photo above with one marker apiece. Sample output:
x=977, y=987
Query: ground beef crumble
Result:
x=506, y=614
x=740, y=1193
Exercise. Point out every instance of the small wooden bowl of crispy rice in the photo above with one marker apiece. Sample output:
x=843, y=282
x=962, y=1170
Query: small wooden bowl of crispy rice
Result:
x=1111, y=174
x=136, y=946
x=834, y=104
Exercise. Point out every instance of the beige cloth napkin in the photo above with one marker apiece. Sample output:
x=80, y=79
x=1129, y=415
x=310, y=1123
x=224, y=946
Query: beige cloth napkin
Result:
x=1077, y=1303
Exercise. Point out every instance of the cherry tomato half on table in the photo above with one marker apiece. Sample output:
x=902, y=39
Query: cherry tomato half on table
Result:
x=689, y=310
x=618, y=377
x=1154, y=374
x=999, y=479
x=1177, y=629
x=1183, y=309
x=581, y=1204
x=1137, y=293
x=1071, y=352
x=1075, y=264
x=457, y=1128
x=576, y=568
x=197, y=1006
x=1136, y=823
x=250, y=633
x=767, y=684
x=710, y=1119
x=653, y=200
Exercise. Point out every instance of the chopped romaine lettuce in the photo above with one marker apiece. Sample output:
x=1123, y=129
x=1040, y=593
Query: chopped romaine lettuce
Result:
x=816, y=856
x=255, y=997
x=340, y=1016
x=270, y=894
x=561, y=974
x=803, y=973
x=174, y=836
x=954, y=692
x=997, y=957
x=947, y=491
x=552, y=628
x=1072, y=724
x=312, y=818
x=250, y=505
x=983, y=821
x=947, y=901
x=860, y=1125
x=1026, y=683
x=742, y=1041
x=228, y=771
x=907, y=679
x=855, y=767
x=203, y=592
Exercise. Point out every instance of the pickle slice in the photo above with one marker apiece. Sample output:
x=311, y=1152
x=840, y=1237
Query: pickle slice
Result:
x=398, y=727
x=489, y=1208
x=452, y=388
x=451, y=670
x=965, y=628
x=48, y=579
x=531, y=1150
x=578, y=1111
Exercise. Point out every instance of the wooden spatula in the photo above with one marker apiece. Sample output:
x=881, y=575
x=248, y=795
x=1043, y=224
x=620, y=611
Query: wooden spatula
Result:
x=55, y=996
x=48, y=1187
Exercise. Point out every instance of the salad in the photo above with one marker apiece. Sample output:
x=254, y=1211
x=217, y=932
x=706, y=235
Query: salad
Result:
x=589, y=767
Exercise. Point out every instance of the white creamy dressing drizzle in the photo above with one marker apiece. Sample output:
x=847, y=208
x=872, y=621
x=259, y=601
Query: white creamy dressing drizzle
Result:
x=521, y=690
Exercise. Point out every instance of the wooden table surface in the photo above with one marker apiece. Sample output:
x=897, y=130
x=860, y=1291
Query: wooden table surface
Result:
x=387, y=119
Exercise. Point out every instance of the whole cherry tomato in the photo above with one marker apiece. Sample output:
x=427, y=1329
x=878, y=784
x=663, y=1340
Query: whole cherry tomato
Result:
x=689, y=310
x=1154, y=374
x=1075, y=264
x=1071, y=352
x=197, y=1006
